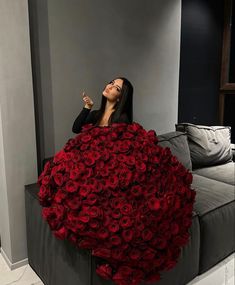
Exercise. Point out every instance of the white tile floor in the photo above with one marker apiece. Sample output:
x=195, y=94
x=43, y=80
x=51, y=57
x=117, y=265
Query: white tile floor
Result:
x=20, y=276
x=221, y=274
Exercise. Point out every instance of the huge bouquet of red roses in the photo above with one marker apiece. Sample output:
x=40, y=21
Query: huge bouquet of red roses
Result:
x=115, y=191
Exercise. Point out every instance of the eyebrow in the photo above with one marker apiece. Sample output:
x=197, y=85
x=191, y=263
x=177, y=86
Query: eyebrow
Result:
x=117, y=85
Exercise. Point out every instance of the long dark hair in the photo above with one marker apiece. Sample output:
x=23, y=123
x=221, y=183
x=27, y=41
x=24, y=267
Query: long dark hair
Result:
x=123, y=106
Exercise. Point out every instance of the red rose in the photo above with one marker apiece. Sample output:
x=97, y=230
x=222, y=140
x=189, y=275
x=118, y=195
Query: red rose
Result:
x=115, y=240
x=121, y=157
x=89, y=160
x=103, y=233
x=125, y=176
x=130, y=160
x=113, y=226
x=94, y=224
x=126, y=209
x=154, y=204
x=128, y=135
x=125, y=222
x=73, y=203
x=44, y=193
x=87, y=243
x=59, y=179
x=174, y=228
x=117, y=254
x=136, y=190
x=161, y=243
x=104, y=172
x=123, y=146
x=59, y=156
x=80, y=167
x=107, y=217
x=140, y=226
x=101, y=252
x=112, y=181
x=74, y=174
x=140, y=166
x=135, y=254
x=85, y=138
x=147, y=234
x=133, y=128
x=127, y=235
x=47, y=166
x=105, y=155
x=55, y=169
x=149, y=254
x=123, y=273
x=71, y=186
x=116, y=214
x=116, y=202
x=94, y=132
x=94, y=212
x=112, y=163
x=53, y=215
x=83, y=217
x=84, y=190
x=45, y=180
x=92, y=199
x=104, y=271
x=68, y=165
x=62, y=233
x=59, y=196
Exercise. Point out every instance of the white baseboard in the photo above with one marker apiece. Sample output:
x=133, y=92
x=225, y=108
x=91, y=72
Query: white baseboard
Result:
x=14, y=265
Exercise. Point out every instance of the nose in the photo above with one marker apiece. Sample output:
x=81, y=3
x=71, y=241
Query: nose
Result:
x=109, y=86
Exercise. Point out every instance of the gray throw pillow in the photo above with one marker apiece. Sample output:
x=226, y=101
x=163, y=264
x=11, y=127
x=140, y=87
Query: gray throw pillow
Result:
x=178, y=144
x=208, y=145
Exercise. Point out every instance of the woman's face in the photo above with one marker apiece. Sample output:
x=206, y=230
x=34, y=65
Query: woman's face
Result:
x=113, y=90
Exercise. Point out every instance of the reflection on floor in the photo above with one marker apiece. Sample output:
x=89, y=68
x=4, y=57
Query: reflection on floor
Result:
x=221, y=274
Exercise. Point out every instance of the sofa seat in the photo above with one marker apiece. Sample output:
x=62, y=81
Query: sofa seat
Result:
x=224, y=173
x=215, y=206
x=57, y=262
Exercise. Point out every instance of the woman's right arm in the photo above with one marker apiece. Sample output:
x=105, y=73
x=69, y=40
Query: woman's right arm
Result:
x=85, y=117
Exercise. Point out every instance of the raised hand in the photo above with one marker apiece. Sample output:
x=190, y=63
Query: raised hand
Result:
x=87, y=100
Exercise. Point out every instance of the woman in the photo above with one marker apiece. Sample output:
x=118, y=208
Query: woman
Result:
x=116, y=106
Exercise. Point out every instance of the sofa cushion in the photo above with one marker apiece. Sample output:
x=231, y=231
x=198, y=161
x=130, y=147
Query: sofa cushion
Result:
x=208, y=145
x=215, y=206
x=224, y=173
x=178, y=144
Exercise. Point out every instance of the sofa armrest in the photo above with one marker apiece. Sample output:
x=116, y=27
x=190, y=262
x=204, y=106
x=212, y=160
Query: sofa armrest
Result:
x=233, y=151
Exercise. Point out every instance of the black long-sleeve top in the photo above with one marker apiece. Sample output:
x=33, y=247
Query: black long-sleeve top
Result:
x=87, y=116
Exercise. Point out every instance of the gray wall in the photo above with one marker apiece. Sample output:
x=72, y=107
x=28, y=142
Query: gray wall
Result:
x=18, y=163
x=84, y=44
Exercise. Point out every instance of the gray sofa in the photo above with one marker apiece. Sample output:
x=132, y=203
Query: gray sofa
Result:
x=206, y=151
